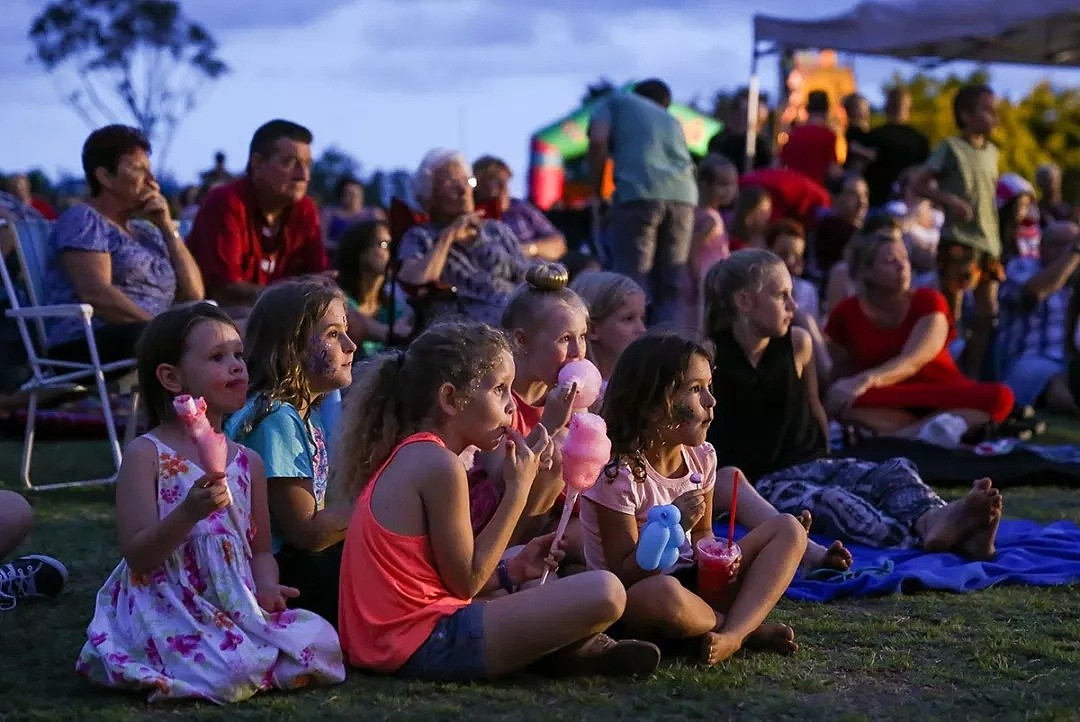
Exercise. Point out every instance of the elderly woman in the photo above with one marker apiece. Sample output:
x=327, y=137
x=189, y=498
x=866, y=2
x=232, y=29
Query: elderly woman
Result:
x=481, y=258
x=889, y=343
x=118, y=252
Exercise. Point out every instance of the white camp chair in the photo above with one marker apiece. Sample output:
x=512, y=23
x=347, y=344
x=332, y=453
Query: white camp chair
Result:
x=32, y=253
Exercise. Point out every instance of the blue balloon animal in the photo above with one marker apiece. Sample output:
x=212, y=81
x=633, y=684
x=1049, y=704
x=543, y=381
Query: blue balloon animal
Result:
x=658, y=547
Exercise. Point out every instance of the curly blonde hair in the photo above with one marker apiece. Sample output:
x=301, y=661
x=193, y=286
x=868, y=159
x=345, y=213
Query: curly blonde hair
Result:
x=277, y=334
x=393, y=395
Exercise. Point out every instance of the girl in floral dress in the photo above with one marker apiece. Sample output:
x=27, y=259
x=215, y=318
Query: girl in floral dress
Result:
x=195, y=610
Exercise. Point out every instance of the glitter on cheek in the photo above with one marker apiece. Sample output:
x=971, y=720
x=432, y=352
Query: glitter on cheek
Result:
x=317, y=357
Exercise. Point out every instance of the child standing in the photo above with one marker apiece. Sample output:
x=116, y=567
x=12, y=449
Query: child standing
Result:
x=412, y=568
x=616, y=306
x=770, y=422
x=658, y=408
x=965, y=168
x=189, y=612
x=299, y=350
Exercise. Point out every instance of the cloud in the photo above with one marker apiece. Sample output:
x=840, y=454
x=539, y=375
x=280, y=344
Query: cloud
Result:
x=228, y=17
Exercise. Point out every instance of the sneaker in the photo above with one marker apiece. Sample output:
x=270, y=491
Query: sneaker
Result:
x=945, y=430
x=34, y=575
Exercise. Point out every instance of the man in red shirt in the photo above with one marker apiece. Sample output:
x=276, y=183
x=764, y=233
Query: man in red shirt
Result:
x=262, y=227
x=811, y=149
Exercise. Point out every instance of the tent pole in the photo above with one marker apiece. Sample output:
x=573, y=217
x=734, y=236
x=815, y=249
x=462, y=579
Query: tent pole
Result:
x=753, y=89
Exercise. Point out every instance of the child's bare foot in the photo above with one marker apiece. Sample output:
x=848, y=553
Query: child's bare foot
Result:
x=944, y=528
x=980, y=545
x=716, y=647
x=773, y=637
x=835, y=557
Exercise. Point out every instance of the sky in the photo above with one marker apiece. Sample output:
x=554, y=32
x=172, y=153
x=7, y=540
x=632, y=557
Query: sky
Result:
x=387, y=80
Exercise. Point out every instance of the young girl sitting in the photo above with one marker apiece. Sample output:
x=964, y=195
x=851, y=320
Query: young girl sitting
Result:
x=616, y=306
x=770, y=422
x=195, y=609
x=299, y=350
x=658, y=408
x=412, y=568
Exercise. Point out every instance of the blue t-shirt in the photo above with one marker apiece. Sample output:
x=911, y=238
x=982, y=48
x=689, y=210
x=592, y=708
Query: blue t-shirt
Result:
x=291, y=448
x=648, y=148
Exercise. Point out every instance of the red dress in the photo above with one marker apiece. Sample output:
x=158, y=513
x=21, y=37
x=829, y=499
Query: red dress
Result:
x=939, y=385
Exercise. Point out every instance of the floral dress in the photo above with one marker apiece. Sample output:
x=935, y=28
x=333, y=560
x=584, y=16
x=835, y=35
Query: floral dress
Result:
x=192, y=627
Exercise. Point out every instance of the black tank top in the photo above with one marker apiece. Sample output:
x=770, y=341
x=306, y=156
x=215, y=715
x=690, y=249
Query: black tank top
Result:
x=762, y=421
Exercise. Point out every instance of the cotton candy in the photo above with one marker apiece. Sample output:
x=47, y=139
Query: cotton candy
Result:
x=585, y=451
x=587, y=378
x=213, y=446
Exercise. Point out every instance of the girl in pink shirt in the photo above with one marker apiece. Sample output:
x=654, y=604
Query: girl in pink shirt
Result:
x=411, y=568
x=658, y=407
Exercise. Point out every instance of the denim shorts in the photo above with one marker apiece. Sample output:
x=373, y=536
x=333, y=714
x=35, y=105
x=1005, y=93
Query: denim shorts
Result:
x=455, y=650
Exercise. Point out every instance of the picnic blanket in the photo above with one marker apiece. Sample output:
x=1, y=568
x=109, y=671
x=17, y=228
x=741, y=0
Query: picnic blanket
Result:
x=1028, y=553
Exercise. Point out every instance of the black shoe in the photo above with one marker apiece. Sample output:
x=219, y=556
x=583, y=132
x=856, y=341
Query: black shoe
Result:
x=34, y=575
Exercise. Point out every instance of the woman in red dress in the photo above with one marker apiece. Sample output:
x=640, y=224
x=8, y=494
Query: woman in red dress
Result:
x=892, y=342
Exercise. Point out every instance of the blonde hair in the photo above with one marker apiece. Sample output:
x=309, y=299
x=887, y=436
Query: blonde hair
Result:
x=863, y=251
x=742, y=270
x=603, y=293
x=275, y=339
x=544, y=283
x=393, y=395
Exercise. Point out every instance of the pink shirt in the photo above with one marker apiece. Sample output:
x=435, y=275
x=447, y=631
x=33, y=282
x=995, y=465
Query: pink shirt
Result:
x=627, y=496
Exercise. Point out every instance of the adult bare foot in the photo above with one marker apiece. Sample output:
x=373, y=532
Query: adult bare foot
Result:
x=716, y=647
x=773, y=637
x=806, y=519
x=944, y=528
x=980, y=545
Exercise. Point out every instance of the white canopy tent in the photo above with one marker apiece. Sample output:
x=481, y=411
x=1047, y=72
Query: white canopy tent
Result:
x=932, y=32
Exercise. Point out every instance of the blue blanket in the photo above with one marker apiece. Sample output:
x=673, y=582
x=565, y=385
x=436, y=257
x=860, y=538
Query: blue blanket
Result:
x=1028, y=553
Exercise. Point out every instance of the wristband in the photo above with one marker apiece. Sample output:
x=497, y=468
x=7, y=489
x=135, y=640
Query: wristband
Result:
x=504, y=577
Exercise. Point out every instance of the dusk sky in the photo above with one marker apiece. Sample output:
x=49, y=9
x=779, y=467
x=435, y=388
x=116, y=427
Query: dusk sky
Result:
x=386, y=80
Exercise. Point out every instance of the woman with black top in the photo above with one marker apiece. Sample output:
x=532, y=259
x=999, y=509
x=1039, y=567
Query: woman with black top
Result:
x=770, y=423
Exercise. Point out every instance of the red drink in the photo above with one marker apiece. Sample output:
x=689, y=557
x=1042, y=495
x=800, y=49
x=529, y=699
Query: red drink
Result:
x=718, y=568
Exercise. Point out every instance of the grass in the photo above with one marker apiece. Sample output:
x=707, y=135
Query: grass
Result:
x=1004, y=653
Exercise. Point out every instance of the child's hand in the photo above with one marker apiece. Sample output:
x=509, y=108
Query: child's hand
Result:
x=535, y=558
x=208, y=494
x=521, y=460
x=558, y=407
x=691, y=506
x=274, y=599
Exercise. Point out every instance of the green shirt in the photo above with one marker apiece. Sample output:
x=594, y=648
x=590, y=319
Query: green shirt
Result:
x=970, y=173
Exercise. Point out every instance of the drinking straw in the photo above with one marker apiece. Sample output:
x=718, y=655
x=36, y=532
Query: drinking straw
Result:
x=734, y=499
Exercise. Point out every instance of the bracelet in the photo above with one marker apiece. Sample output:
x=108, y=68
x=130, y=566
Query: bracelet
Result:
x=504, y=577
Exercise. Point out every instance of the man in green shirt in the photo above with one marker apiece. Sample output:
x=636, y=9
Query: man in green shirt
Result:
x=965, y=168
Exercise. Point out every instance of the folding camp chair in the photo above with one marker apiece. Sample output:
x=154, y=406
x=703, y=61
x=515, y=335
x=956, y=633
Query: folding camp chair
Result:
x=27, y=309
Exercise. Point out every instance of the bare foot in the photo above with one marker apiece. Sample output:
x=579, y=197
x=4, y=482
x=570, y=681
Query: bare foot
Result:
x=944, y=528
x=835, y=557
x=773, y=637
x=806, y=519
x=716, y=647
x=980, y=545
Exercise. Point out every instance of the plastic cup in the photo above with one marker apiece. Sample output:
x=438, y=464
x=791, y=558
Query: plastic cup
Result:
x=718, y=568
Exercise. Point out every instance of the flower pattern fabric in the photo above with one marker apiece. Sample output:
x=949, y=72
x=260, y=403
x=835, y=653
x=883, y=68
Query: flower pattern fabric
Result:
x=192, y=628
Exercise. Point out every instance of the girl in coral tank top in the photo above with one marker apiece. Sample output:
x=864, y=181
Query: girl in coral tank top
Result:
x=412, y=569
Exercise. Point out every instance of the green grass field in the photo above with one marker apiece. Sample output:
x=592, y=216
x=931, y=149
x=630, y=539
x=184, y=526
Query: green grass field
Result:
x=1006, y=653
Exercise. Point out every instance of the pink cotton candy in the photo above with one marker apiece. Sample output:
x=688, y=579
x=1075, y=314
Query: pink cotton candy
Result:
x=585, y=451
x=587, y=378
x=213, y=447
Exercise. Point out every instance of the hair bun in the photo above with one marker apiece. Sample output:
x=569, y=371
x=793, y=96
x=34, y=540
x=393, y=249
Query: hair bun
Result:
x=547, y=277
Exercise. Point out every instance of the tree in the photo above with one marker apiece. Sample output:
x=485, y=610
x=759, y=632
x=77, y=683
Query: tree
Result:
x=142, y=59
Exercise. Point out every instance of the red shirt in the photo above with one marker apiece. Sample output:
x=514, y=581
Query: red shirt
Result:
x=810, y=150
x=793, y=194
x=870, y=345
x=227, y=239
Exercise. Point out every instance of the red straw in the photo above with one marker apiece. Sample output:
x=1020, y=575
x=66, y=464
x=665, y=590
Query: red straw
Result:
x=734, y=498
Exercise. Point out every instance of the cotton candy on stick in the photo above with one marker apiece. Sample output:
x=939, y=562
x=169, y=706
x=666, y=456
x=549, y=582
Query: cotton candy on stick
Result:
x=588, y=380
x=584, y=453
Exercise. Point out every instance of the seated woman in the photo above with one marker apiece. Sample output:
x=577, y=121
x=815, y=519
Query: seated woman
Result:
x=128, y=270
x=889, y=345
x=481, y=258
x=362, y=257
x=350, y=209
x=538, y=237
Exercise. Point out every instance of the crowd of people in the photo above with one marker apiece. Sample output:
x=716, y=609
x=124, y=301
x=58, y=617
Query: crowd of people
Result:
x=736, y=314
